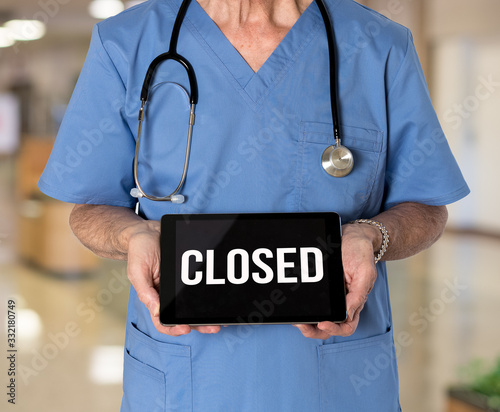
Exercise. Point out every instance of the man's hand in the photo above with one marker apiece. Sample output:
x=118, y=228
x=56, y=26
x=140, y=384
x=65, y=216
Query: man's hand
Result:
x=143, y=270
x=358, y=245
x=412, y=227
x=118, y=233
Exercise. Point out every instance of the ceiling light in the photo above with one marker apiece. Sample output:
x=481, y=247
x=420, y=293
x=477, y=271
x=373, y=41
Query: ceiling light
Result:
x=102, y=9
x=6, y=39
x=25, y=30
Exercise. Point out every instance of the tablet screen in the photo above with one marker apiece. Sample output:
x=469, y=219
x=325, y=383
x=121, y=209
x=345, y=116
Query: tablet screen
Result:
x=251, y=268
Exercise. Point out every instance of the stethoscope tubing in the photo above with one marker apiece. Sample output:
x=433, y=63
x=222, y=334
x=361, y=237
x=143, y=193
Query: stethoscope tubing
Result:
x=139, y=192
x=172, y=54
x=330, y=35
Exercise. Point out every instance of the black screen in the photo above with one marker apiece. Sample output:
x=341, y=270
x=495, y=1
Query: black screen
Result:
x=251, y=268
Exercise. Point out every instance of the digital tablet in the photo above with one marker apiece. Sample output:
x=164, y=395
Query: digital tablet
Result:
x=264, y=268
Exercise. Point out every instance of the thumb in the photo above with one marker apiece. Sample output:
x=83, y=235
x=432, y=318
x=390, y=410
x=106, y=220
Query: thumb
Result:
x=154, y=305
x=151, y=299
x=354, y=302
x=148, y=295
x=142, y=282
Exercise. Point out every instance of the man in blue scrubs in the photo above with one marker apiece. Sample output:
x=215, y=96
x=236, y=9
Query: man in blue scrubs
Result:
x=262, y=122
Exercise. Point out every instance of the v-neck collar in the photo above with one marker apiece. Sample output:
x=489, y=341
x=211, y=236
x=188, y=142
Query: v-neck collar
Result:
x=253, y=86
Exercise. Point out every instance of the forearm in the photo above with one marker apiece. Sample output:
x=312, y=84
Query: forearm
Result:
x=118, y=233
x=412, y=227
x=106, y=230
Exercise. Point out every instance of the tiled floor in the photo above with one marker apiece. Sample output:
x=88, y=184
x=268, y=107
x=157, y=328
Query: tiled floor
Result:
x=69, y=354
x=445, y=304
x=447, y=301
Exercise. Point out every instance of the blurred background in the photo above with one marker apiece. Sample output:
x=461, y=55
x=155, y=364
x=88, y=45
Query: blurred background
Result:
x=71, y=306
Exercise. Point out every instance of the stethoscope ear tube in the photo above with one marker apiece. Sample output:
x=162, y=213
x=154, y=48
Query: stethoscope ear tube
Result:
x=173, y=197
x=193, y=84
x=172, y=54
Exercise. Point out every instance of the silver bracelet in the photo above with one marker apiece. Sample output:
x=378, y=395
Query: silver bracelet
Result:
x=385, y=236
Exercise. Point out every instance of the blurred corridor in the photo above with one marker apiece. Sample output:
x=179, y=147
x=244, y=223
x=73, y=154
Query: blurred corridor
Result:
x=71, y=306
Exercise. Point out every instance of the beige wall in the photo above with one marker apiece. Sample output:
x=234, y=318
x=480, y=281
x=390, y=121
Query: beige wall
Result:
x=409, y=13
x=467, y=98
x=458, y=42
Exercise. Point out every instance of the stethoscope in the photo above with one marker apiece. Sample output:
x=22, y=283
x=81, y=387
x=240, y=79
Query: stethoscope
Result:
x=337, y=160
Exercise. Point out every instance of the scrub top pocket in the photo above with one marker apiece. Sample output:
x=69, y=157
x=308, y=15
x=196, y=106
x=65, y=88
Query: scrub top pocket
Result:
x=156, y=376
x=316, y=190
x=359, y=375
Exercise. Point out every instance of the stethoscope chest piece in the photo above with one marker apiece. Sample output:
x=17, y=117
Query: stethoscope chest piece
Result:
x=337, y=160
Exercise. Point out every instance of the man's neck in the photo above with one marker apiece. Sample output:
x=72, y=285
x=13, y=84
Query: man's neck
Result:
x=255, y=27
x=280, y=13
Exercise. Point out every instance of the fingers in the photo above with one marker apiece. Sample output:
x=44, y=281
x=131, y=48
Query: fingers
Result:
x=177, y=330
x=340, y=329
x=312, y=331
x=324, y=330
x=147, y=293
x=149, y=296
x=358, y=291
x=206, y=329
x=355, y=302
x=143, y=272
x=360, y=274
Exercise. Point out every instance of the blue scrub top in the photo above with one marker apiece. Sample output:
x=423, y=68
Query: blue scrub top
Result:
x=257, y=145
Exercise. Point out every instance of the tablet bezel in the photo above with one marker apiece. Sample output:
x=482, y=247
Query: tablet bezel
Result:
x=168, y=316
